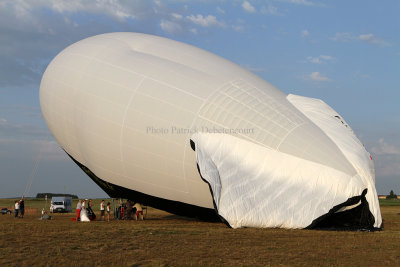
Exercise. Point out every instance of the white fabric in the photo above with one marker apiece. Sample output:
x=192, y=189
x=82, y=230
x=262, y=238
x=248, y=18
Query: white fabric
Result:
x=255, y=186
x=84, y=216
x=343, y=136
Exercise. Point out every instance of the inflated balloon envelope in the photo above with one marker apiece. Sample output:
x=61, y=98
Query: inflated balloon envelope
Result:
x=127, y=107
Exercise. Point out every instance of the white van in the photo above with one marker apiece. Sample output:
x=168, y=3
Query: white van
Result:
x=61, y=204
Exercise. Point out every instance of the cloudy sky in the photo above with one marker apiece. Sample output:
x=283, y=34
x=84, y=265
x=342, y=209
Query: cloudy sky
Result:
x=344, y=52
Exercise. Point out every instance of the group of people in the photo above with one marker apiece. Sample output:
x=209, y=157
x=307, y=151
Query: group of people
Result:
x=125, y=210
x=85, y=213
x=19, y=208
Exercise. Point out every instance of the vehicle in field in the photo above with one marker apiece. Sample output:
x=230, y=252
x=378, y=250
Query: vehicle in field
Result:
x=61, y=204
x=6, y=211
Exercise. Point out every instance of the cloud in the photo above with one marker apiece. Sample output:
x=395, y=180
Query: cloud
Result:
x=316, y=76
x=319, y=60
x=116, y=9
x=248, y=7
x=305, y=33
x=367, y=38
x=326, y=57
x=21, y=131
x=270, y=10
x=206, y=21
x=16, y=137
x=300, y=2
x=33, y=32
x=177, y=16
x=343, y=37
x=220, y=10
x=372, y=39
x=238, y=28
x=385, y=151
x=387, y=165
x=383, y=148
x=171, y=27
x=50, y=149
x=316, y=60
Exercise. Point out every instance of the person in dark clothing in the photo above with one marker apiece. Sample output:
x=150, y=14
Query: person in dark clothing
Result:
x=90, y=212
x=21, y=208
x=128, y=210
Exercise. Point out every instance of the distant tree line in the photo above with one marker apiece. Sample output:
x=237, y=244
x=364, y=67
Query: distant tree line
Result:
x=392, y=195
x=50, y=195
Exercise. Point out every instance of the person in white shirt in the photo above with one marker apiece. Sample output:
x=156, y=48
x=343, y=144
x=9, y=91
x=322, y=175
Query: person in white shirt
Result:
x=102, y=209
x=16, y=208
x=139, y=210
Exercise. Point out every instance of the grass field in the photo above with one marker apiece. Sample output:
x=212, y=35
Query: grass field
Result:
x=389, y=202
x=164, y=239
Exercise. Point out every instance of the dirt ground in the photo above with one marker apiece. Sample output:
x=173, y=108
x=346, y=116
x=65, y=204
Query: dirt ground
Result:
x=164, y=239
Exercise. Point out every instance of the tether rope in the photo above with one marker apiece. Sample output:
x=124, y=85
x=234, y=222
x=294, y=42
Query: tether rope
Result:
x=35, y=167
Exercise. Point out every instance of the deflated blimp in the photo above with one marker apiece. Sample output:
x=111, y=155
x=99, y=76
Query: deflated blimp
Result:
x=180, y=129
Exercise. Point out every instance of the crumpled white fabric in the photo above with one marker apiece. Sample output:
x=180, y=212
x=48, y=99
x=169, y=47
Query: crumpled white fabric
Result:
x=255, y=186
x=84, y=216
x=328, y=120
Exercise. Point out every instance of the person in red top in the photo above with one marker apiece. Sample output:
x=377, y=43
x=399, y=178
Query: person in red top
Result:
x=78, y=210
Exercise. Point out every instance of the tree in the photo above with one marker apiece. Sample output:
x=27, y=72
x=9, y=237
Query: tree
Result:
x=50, y=195
x=391, y=195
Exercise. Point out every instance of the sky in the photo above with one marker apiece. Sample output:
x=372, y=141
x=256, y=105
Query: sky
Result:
x=346, y=53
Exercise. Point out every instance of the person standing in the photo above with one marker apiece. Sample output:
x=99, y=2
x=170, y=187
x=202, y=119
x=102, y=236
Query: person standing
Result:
x=51, y=207
x=102, y=209
x=84, y=214
x=139, y=210
x=16, y=209
x=21, y=208
x=108, y=211
x=78, y=210
x=90, y=212
x=128, y=215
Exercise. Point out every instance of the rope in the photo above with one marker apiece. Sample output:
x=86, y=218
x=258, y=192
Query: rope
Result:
x=35, y=167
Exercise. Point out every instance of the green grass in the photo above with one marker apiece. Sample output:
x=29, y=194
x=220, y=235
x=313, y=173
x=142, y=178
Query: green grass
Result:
x=389, y=202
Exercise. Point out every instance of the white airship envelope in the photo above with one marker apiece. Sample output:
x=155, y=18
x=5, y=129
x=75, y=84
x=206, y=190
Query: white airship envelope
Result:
x=125, y=106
